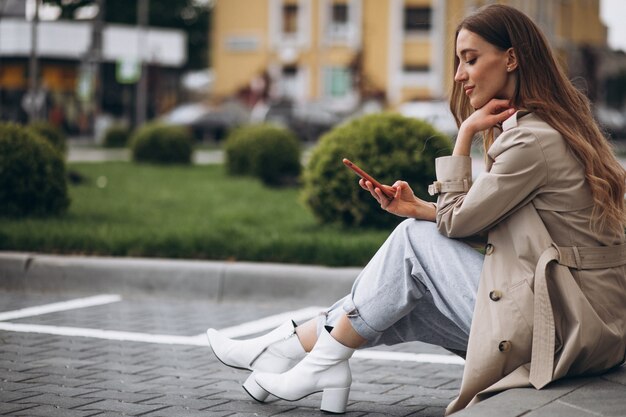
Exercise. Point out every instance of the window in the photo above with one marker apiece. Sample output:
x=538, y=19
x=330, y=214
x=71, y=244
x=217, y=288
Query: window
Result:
x=290, y=18
x=289, y=81
x=417, y=19
x=340, y=14
x=412, y=68
x=337, y=82
x=338, y=24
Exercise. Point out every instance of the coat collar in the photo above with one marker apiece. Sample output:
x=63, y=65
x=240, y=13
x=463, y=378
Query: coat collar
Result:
x=512, y=121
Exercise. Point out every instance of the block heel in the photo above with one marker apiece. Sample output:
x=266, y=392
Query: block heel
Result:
x=254, y=390
x=334, y=400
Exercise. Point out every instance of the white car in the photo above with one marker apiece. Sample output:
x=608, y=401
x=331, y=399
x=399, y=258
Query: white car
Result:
x=437, y=113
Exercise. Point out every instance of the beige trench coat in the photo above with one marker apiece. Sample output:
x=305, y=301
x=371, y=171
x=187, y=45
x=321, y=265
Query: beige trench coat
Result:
x=552, y=295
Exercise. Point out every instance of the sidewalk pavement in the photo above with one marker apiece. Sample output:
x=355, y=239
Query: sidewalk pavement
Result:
x=221, y=281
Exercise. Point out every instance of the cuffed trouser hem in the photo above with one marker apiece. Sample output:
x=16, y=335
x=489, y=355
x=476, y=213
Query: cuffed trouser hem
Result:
x=346, y=306
x=359, y=324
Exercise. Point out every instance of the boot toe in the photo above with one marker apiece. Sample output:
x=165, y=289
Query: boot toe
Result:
x=220, y=346
x=271, y=383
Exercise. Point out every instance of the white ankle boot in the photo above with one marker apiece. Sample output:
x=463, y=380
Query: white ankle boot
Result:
x=276, y=351
x=324, y=369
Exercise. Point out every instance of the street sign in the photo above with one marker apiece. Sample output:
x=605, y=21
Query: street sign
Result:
x=34, y=101
x=127, y=71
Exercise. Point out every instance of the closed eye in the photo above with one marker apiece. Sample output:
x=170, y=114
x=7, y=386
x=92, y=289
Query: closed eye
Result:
x=471, y=61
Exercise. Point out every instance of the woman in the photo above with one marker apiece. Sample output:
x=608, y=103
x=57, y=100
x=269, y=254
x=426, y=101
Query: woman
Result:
x=548, y=297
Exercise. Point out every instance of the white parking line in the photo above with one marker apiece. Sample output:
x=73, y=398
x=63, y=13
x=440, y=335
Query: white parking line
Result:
x=62, y=306
x=200, y=340
x=270, y=322
x=408, y=357
x=160, y=339
x=244, y=329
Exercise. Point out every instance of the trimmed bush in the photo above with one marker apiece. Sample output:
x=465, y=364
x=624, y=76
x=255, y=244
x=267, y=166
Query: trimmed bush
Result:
x=116, y=136
x=162, y=144
x=52, y=134
x=268, y=152
x=390, y=147
x=32, y=174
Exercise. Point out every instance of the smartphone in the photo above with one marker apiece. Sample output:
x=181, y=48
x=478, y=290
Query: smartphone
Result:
x=386, y=191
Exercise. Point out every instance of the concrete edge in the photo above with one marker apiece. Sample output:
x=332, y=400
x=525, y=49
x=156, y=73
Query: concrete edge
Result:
x=518, y=402
x=21, y=271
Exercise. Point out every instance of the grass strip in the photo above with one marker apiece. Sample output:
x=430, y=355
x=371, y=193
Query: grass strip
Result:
x=192, y=212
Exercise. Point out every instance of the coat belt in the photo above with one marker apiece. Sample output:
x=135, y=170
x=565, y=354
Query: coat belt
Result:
x=542, y=359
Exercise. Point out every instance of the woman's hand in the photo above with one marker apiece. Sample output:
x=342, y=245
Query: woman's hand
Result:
x=404, y=203
x=494, y=112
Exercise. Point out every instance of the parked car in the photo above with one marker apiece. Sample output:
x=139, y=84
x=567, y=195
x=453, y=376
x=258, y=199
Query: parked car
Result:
x=612, y=121
x=436, y=113
x=208, y=122
x=307, y=120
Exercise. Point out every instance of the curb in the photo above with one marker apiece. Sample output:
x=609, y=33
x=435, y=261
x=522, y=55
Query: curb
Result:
x=601, y=395
x=217, y=281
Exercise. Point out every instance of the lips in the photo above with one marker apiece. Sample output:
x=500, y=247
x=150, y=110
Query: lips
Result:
x=469, y=89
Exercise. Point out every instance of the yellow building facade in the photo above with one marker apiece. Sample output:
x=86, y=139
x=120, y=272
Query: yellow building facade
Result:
x=342, y=51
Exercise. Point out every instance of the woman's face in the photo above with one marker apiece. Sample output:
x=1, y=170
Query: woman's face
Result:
x=485, y=71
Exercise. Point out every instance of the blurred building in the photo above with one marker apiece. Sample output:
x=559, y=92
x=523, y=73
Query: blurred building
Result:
x=66, y=73
x=342, y=52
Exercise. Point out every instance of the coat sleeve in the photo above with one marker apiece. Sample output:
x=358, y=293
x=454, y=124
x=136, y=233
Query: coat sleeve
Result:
x=518, y=171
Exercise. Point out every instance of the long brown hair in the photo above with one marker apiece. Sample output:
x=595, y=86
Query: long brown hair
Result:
x=543, y=88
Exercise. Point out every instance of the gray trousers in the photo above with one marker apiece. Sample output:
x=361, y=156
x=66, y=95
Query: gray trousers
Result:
x=419, y=286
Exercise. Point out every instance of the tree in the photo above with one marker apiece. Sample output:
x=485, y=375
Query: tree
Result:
x=192, y=16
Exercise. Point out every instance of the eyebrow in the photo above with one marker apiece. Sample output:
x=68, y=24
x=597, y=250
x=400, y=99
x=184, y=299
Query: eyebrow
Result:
x=465, y=51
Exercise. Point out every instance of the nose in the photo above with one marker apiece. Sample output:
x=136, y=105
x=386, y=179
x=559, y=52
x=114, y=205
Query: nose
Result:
x=460, y=74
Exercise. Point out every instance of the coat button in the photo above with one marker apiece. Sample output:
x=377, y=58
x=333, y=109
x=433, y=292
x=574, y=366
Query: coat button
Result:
x=489, y=249
x=504, y=346
x=495, y=295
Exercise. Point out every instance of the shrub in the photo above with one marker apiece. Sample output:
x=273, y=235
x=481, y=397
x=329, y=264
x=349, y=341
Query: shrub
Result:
x=116, y=136
x=162, y=144
x=268, y=152
x=388, y=146
x=52, y=134
x=32, y=174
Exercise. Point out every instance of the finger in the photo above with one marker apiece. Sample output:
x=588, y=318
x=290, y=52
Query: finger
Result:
x=372, y=190
x=502, y=116
x=382, y=199
x=398, y=192
x=498, y=103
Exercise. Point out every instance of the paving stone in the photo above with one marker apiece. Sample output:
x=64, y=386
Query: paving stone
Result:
x=121, y=407
x=119, y=395
x=374, y=408
x=250, y=406
x=599, y=396
x=618, y=375
x=19, y=386
x=560, y=409
x=14, y=376
x=56, y=400
x=425, y=392
x=59, y=380
x=51, y=411
x=9, y=396
x=57, y=389
x=300, y=412
x=179, y=411
x=15, y=366
x=429, y=412
x=184, y=401
x=10, y=408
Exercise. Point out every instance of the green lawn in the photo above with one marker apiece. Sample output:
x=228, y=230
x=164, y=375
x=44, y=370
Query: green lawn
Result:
x=125, y=209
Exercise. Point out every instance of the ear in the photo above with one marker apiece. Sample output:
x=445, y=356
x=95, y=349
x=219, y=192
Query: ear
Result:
x=511, y=60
